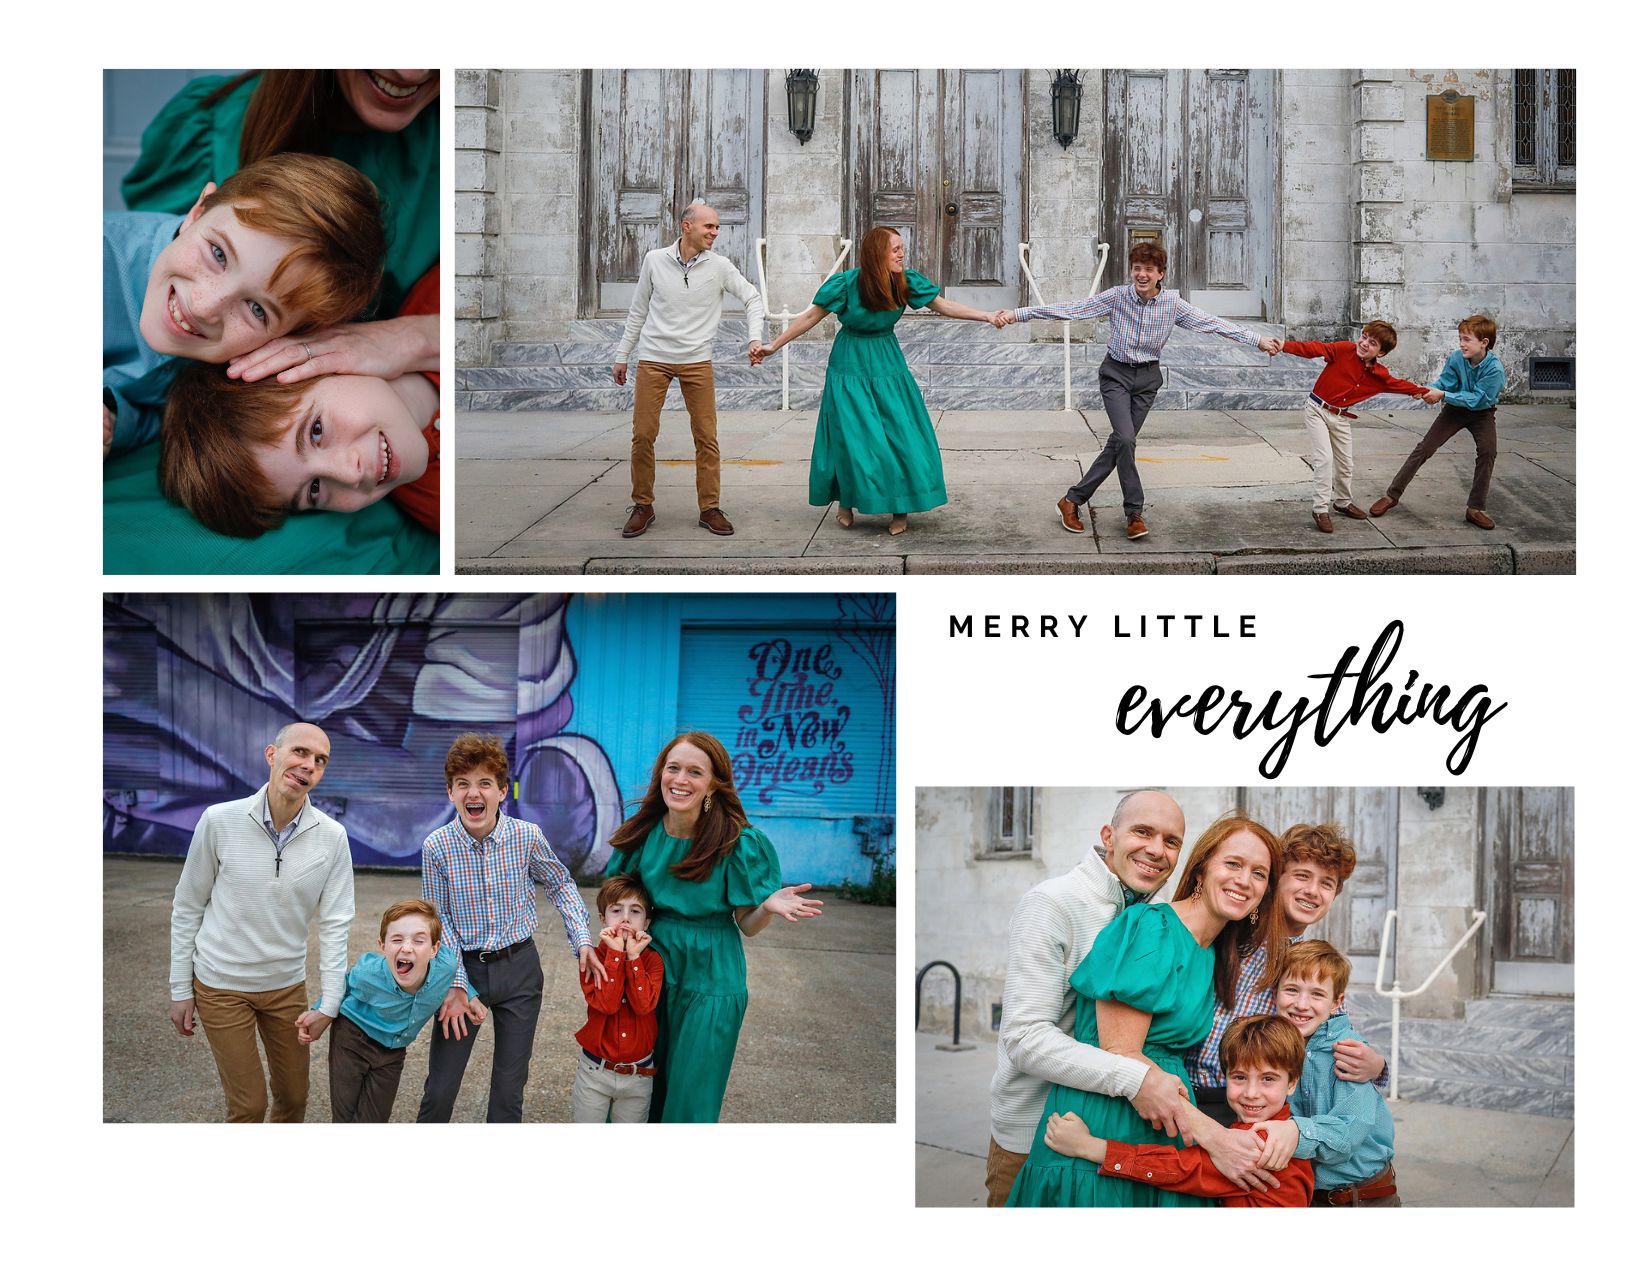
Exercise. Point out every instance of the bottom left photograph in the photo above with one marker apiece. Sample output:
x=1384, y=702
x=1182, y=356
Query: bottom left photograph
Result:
x=504, y=857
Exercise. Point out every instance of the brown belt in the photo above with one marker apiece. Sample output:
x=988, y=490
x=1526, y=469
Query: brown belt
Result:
x=623, y=1069
x=1383, y=1184
x=1339, y=411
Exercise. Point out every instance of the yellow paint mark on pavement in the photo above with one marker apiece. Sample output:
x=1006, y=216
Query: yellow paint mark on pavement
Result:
x=725, y=462
x=1176, y=460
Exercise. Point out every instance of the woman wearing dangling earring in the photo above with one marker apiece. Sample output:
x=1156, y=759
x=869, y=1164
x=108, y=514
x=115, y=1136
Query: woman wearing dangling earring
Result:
x=1147, y=990
x=715, y=882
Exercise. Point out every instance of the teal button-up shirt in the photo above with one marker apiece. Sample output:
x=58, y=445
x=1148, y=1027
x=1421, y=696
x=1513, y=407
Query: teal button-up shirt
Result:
x=1346, y=1128
x=376, y=1003
x=135, y=375
x=1474, y=388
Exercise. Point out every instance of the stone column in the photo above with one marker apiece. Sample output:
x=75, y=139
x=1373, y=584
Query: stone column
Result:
x=1378, y=262
x=1438, y=888
x=538, y=188
x=1063, y=214
x=1317, y=202
x=806, y=195
x=476, y=161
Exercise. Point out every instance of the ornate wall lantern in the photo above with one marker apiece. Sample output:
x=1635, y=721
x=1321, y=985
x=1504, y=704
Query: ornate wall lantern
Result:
x=1067, y=98
x=801, y=95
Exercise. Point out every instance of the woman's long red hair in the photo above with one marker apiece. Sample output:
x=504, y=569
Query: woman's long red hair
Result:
x=717, y=828
x=879, y=287
x=1241, y=936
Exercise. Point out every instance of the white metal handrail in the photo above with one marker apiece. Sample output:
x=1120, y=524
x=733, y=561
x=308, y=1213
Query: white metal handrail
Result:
x=1065, y=324
x=1397, y=995
x=784, y=317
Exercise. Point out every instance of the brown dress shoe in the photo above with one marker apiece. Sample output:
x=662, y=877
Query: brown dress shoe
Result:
x=1069, y=518
x=1381, y=506
x=1478, y=518
x=641, y=518
x=715, y=521
x=1352, y=511
x=1322, y=521
x=1136, y=527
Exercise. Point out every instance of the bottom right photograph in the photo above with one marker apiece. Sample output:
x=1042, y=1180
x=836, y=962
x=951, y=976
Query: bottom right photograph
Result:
x=1241, y=996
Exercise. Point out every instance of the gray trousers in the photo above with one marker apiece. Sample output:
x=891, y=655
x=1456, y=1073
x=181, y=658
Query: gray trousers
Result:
x=512, y=989
x=1128, y=392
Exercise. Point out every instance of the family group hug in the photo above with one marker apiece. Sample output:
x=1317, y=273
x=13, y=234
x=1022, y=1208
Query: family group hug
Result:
x=663, y=979
x=874, y=445
x=271, y=301
x=1192, y=1052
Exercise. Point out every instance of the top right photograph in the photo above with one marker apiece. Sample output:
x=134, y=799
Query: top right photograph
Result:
x=1063, y=321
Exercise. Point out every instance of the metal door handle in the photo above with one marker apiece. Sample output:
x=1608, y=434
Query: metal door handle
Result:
x=951, y=210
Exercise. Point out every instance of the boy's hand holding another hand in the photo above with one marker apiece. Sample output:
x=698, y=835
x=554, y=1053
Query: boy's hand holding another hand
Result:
x=454, y=1014
x=312, y=1025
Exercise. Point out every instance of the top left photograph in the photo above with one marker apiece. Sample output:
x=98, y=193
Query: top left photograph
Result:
x=271, y=322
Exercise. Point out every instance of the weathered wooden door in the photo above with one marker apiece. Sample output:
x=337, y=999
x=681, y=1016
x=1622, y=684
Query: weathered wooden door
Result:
x=1529, y=844
x=656, y=141
x=1189, y=159
x=1370, y=817
x=940, y=156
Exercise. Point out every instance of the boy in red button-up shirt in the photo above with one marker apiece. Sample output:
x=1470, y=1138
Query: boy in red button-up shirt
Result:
x=1350, y=375
x=614, y=1080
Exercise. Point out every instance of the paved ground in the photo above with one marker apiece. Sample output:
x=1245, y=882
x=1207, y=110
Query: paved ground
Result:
x=1447, y=1156
x=1228, y=492
x=817, y=1045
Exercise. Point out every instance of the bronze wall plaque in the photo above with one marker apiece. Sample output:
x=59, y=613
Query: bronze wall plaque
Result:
x=1449, y=125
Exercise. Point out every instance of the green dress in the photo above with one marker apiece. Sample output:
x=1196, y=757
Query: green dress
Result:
x=704, y=997
x=874, y=446
x=185, y=146
x=1146, y=959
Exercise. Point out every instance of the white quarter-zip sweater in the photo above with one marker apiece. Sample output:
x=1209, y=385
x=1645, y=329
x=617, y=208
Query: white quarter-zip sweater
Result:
x=675, y=322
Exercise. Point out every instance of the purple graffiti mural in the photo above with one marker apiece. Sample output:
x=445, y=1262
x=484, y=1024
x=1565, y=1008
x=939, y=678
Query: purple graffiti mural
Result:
x=195, y=685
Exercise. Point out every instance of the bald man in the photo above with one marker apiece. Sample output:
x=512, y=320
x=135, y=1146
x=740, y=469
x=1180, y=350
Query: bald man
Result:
x=672, y=329
x=259, y=870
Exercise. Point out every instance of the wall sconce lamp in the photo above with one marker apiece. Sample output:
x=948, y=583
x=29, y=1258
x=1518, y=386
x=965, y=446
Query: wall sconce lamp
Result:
x=1066, y=93
x=1434, y=797
x=801, y=95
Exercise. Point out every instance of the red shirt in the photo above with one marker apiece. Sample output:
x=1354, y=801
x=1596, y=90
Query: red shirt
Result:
x=421, y=498
x=1347, y=379
x=1189, y=1170
x=621, y=1027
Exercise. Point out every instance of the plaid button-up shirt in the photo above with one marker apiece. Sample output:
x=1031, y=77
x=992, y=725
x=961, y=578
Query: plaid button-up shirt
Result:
x=483, y=890
x=1140, y=329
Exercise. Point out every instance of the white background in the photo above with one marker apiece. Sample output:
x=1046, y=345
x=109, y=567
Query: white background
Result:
x=1563, y=651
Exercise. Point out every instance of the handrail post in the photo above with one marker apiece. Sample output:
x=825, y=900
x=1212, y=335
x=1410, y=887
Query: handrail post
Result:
x=956, y=1044
x=1396, y=994
x=1065, y=324
x=784, y=317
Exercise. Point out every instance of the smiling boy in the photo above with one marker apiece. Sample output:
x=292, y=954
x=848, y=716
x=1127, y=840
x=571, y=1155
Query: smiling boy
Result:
x=1344, y=1127
x=1318, y=860
x=1263, y=1056
x=389, y=996
x=242, y=456
x=287, y=244
x=480, y=871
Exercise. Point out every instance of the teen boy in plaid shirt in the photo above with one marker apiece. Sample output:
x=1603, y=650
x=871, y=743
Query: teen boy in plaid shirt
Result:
x=479, y=872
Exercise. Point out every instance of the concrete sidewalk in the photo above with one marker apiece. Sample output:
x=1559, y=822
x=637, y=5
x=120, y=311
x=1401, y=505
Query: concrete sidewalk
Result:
x=1228, y=492
x=817, y=1043
x=1447, y=1156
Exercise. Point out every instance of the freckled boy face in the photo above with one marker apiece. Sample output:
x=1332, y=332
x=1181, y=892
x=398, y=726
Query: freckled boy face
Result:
x=1257, y=1091
x=351, y=441
x=209, y=296
x=408, y=948
x=1306, y=1002
x=1472, y=347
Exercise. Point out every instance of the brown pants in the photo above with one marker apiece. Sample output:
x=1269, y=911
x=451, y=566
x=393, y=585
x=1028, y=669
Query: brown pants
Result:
x=233, y=1021
x=699, y=396
x=362, y=1074
x=1001, y=1168
x=1449, y=422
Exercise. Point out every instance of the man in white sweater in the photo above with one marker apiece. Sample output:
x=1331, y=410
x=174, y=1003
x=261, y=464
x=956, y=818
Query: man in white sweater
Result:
x=671, y=328
x=1053, y=928
x=258, y=870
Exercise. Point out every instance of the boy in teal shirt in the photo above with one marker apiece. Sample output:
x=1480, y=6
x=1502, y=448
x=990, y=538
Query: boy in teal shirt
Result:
x=289, y=244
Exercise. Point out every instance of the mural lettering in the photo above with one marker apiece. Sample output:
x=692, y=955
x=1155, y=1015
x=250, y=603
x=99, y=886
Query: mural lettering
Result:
x=790, y=737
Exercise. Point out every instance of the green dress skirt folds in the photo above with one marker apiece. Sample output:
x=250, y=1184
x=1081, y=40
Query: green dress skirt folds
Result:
x=1146, y=959
x=703, y=1003
x=874, y=446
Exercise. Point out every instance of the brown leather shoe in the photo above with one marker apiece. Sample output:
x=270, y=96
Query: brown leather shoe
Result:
x=1136, y=527
x=1478, y=518
x=715, y=521
x=641, y=518
x=1069, y=518
x=1322, y=522
x=1381, y=506
x=1352, y=511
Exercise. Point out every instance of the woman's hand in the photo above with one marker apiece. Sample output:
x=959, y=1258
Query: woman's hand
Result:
x=1002, y=318
x=387, y=348
x=789, y=903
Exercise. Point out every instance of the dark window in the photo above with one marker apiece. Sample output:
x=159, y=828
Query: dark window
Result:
x=1544, y=128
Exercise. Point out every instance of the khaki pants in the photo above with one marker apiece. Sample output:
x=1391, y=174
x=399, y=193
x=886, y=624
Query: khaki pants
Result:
x=1331, y=455
x=233, y=1022
x=598, y=1092
x=1001, y=1168
x=698, y=383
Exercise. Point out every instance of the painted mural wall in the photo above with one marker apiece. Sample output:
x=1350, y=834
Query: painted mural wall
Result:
x=583, y=689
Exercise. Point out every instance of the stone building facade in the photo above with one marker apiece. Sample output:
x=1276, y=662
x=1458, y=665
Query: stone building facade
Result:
x=1302, y=202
